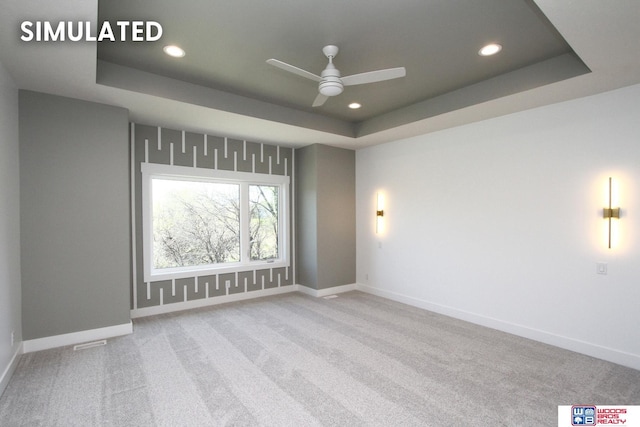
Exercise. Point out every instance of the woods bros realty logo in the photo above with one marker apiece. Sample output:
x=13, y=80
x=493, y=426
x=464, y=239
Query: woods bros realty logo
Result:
x=75, y=31
x=592, y=415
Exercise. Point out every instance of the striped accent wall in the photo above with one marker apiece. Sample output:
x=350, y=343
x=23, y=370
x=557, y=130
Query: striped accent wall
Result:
x=151, y=144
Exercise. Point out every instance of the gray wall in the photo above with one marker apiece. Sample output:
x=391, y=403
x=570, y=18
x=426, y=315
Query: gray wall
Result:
x=306, y=179
x=75, y=220
x=325, y=216
x=9, y=222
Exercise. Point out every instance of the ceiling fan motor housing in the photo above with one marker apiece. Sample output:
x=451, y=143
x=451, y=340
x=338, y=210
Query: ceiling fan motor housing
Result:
x=331, y=84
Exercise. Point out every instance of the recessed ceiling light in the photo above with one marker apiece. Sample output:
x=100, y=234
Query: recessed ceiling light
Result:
x=490, y=49
x=355, y=105
x=174, y=51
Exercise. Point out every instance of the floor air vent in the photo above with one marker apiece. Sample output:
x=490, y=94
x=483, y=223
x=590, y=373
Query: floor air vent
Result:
x=330, y=296
x=89, y=345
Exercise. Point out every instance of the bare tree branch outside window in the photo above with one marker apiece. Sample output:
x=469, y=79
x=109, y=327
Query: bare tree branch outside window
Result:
x=198, y=223
x=195, y=223
x=263, y=234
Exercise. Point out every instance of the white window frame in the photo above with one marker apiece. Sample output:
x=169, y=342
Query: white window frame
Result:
x=244, y=179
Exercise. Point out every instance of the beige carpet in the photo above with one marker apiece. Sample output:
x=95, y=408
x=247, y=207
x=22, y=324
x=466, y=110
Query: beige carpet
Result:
x=295, y=360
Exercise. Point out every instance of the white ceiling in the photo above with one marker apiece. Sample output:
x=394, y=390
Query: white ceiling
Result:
x=605, y=35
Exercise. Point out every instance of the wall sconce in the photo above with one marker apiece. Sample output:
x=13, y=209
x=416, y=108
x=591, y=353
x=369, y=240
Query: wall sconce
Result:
x=610, y=212
x=379, y=212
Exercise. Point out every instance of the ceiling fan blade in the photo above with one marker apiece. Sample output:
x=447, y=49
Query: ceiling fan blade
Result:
x=294, y=70
x=320, y=100
x=374, y=76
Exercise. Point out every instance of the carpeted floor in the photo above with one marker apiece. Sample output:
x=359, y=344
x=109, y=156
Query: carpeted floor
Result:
x=295, y=360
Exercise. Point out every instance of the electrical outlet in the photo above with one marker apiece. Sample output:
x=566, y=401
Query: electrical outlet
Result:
x=227, y=284
x=601, y=268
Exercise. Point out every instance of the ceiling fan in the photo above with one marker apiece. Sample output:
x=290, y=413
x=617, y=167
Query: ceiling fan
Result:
x=330, y=82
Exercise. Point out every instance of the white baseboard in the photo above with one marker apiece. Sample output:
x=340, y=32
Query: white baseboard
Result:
x=9, y=370
x=205, y=302
x=77, y=337
x=327, y=291
x=567, y=343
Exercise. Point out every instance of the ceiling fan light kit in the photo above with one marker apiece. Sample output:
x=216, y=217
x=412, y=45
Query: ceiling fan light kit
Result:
x=331, y=87
x=330, y=83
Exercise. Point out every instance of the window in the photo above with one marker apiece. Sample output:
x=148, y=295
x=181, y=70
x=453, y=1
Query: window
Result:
x=202, y=221
x=263, y=211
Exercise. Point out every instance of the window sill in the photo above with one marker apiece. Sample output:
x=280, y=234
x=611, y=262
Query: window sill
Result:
x=171, y=274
